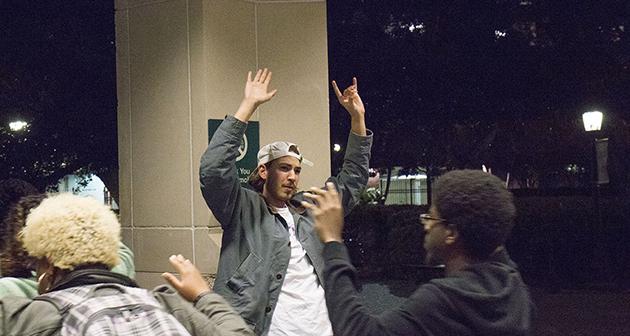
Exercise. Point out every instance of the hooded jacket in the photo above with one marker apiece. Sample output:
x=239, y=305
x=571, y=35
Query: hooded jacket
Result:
x=487, y=298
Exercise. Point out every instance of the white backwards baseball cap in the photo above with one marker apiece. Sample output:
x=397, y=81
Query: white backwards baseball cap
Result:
x=278, y=149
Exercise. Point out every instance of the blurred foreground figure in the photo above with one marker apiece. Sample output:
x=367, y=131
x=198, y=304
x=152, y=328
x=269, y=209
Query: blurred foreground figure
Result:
x=482, y=293
x=75, y=243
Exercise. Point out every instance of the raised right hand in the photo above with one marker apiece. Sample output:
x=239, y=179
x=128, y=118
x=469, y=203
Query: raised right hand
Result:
x=256, y=93
x=257, y=89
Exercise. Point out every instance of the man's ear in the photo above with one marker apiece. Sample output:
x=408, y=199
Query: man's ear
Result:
x=262, y=172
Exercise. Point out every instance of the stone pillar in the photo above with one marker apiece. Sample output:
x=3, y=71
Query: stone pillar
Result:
x=182, y=62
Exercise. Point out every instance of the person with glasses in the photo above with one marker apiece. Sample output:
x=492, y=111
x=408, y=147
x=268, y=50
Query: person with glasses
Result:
x=271, y=267
x=482, y=293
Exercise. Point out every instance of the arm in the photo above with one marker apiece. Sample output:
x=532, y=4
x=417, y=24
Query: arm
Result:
x=223, y=320
x=218, y=176
x=352, y=102
x=256, y=93
x=354, y=172
x=213, y=315
x=347, y=313
x=22, y=316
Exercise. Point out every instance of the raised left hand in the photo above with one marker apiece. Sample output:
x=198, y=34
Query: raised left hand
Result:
x=350, y=98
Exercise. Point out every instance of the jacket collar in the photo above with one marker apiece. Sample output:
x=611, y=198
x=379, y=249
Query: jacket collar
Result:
x=92, y=276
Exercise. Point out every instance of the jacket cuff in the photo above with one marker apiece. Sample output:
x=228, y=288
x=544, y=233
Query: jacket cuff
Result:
x=368, y=135
x=335, y=250
x=200, y=296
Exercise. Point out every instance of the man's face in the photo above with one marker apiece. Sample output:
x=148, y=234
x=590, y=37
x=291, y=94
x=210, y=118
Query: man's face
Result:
x=435, y=232
x=281, y=179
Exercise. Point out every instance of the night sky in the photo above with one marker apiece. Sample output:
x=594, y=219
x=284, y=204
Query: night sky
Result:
x=58, y=73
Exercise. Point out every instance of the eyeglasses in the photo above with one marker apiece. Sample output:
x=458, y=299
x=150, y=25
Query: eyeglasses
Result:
x=426, y=218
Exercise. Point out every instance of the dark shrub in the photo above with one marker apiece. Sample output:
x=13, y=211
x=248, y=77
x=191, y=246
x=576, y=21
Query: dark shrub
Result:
x=556, y=240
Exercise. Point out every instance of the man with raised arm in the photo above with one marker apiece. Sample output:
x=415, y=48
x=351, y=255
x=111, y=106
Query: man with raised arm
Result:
x=271, y=268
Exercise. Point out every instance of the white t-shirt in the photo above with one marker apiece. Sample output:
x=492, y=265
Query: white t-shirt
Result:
x=301, y=308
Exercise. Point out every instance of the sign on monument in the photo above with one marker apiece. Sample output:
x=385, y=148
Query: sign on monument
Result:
x=246, y=160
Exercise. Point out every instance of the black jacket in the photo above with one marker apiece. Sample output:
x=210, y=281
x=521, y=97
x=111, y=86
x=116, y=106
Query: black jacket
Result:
x=488, y=298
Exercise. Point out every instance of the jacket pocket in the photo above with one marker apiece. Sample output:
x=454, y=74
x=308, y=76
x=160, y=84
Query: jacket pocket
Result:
x=243, y=276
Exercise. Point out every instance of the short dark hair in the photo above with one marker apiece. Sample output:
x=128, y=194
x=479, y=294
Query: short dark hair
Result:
x=479, y=206
x=14, y=260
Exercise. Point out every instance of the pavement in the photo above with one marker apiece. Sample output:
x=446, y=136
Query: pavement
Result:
x=576, y=312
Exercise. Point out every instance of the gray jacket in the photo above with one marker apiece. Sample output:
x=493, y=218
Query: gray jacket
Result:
x=255, y=250
x=210, y=316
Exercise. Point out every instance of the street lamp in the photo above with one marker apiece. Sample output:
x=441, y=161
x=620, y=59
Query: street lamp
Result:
x=592, y=120
x=593, y=124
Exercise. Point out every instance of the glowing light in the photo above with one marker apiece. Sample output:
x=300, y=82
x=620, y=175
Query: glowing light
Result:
x=336, y=147
x=419, y=27
x=592, y=120
x=18, y=125
x=500, y=34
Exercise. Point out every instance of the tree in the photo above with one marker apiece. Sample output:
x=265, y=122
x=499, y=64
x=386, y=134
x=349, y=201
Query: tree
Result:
x=457, y=84
x=57, y=72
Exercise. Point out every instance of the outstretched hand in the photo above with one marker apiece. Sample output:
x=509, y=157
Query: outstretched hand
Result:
x=327, y=211
x=191, y=284
x=257, y=89
x=256, y=93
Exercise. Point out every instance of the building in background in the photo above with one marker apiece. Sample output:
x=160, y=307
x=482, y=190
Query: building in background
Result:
x=91, y=186
x=405, y=187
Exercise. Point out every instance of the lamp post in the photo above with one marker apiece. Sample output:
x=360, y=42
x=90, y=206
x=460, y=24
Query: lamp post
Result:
x=593, y=124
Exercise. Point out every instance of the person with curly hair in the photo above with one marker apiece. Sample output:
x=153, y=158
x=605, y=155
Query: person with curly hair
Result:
x=482, y=293
x=18, y=267
x=74, y=241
